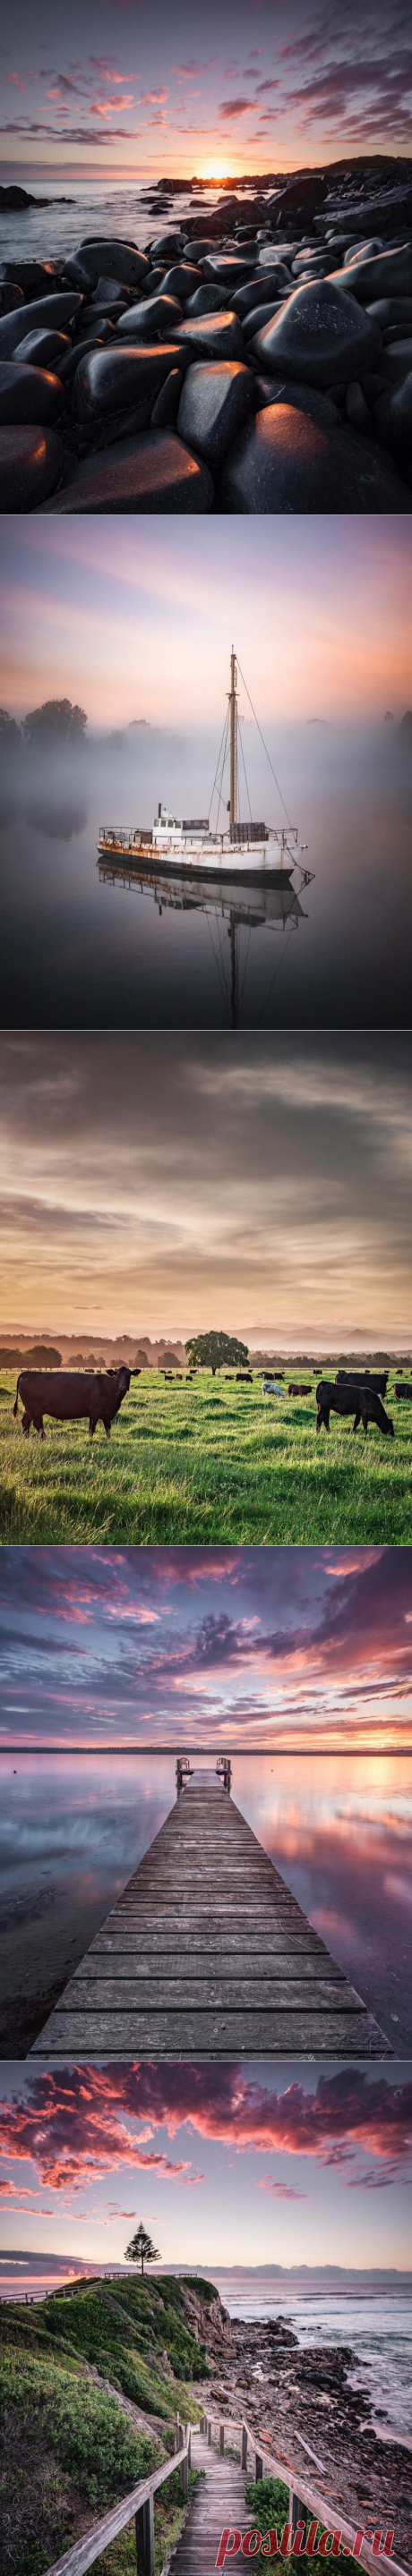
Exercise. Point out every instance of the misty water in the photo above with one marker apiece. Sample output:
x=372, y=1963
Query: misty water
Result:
x=375, y=2320
x=82, y=950
x=126, y=213
x=73, y=1828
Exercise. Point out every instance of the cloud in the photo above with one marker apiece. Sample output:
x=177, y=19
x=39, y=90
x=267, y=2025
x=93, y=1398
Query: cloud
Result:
x=77, y=2124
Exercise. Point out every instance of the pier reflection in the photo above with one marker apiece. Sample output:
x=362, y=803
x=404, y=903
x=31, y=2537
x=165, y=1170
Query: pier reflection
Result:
x=270, y=903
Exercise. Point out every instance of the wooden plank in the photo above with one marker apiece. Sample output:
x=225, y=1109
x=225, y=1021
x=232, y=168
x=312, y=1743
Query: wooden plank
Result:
x=207, y=1953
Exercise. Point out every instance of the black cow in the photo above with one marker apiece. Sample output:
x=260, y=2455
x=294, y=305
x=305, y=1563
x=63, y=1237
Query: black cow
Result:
x=244, y=1377
x=363, y=1401
x=405, y=1390
x=68, y=1396
x=363, y=1377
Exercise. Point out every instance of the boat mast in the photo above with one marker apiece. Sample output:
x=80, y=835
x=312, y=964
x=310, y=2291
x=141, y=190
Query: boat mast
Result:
x=233, y=745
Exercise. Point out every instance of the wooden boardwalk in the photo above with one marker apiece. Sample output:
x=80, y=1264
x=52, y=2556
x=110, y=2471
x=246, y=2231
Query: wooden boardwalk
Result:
x=206, y=1954
x=218, y=2502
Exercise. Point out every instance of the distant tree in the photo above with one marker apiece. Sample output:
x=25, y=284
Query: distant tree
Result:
x=170, y=1360
x=56, y=721
x=9, y=731
x=215, y=1351
x=141, y=2249
x=141, y=1360
x=43, y=1356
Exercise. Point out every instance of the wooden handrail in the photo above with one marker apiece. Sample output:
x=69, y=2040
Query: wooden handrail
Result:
x=138, y=2502
x=300, y=2492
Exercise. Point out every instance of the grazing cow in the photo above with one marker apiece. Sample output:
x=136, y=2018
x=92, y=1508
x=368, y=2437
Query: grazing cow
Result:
x=299, y=1390
x=270, y=1386
x=68, y=1396
x=406, y=1389
x=363, y=1377
x=244, y=1377
x=360, y=1400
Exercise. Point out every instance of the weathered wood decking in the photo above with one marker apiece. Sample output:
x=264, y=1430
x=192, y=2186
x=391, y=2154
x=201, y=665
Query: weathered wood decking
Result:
x=218, y=2502
x=207, y=1955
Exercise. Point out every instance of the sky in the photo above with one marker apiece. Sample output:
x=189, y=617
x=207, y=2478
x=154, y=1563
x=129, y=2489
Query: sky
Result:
x=259, y=85
x=177, y=1184
x=224, y=2163
x=175, y=1646
x=140, y=623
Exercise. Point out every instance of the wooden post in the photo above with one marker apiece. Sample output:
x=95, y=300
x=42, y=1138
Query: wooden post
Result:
x=297, y=2510
x=209, y=2429
x=222, y=2440
x=184, y=2476
x=145, y=2542
x=243, y=2447
x=258, y=2466
x=189, y=2451
x=178, y=2433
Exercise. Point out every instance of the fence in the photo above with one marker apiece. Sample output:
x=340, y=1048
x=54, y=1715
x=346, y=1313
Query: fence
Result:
x=138, y=2505
x=302, y=2497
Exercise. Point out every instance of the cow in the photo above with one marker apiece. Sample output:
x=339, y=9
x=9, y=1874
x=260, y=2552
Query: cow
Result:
x=363, y=1377
x=270, y=1386
x=244, y=1377
x=363, y=1401
x=405, y=1390
x=68, y=1397
x=299, y=1390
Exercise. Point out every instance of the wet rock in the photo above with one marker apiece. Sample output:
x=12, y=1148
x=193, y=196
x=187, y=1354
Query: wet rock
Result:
x=396, y=361
x=304, y=398
x=285, y=462
x=77, y=273
x=51, y=315
x=167, y=402
x=226, y=271
x=31, y=462
x=153, y=473
x=101, y=258
x=361, y=250
x=34, y=276
x=19, y=197
x=206, y=300
x=111, y=380
x=216, y=335
x=28, y=393
x=68, y=366
x=43, y=348
x=214, y=403
x=168, y=246
x=301, y=198
x=319, y=335
x=157, y=313
x=391, y=308
x=109, y=290
x=259, y=289
x=393, y=422
x=357, y=410
x=260, y=314
x=10, y=298
x=389, y=274
x=182, y=280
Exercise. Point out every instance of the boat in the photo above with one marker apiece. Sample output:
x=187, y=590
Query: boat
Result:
x=235, y=849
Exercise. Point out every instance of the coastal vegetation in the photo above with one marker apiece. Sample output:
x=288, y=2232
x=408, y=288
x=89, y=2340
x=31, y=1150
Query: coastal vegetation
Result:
x=207, y=1461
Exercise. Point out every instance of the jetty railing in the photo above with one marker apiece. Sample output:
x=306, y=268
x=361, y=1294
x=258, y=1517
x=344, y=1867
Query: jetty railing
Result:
x=303, y=2497
x=137, y=2505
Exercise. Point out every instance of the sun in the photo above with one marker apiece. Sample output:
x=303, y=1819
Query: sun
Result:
x=216, y=170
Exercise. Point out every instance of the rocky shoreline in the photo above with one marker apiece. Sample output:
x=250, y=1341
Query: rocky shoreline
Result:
x=265, y=367
x=296, y=2396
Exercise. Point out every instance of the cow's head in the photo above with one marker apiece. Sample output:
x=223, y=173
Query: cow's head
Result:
x=123, y=1380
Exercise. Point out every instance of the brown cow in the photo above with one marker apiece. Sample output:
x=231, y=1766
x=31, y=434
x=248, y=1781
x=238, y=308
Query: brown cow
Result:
x=299, y=1390
x=361, y=1400
x=68, y=1397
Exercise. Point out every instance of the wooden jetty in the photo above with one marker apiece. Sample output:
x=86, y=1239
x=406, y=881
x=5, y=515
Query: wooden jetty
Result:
x=207, y=1954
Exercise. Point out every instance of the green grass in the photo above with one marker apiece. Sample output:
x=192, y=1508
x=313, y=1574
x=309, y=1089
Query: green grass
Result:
x=268, y=2502
x=169, y=2515
x=208, y=1462
x=67, y=2449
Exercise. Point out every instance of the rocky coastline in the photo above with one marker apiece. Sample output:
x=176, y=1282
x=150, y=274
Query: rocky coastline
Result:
x=241, y=366
x=300, y=2399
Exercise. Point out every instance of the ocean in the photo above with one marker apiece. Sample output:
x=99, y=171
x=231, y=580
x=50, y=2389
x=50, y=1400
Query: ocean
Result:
x=375, y=2321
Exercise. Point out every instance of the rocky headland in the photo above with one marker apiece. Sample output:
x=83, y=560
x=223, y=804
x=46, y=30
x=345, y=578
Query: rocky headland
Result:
x=260, y=365
x=302, y=2401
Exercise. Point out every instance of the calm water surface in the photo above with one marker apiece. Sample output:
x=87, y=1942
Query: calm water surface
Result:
x=74, y=1827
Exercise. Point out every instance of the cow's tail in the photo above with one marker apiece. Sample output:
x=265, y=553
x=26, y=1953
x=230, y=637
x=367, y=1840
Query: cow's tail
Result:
x=16, y=1401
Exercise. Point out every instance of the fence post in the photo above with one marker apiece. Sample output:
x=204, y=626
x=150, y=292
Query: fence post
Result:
x=258, y=2466
x=209, y=2429
x=184, y=2476
x=297, y=2510
x=222, y=2439
x=243, y=2448
x=178, y=2433
x=189, y=2450
x=145, y=2541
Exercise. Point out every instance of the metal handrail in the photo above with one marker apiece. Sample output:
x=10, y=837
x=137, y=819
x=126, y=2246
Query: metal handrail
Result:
x=300, y=2492
x=140, y=2503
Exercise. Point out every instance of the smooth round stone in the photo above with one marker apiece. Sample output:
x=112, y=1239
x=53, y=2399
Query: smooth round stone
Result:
x=215, y=335
x=261, y=313
x=389, y=274
x=304, y=398
x=182, y=280
x=393, y=421
x=68, y=367
x=31, y=462
x=214, y=403
x=357, y=410
x=198, y=249
x=149, y=473
x=33, y=276
x=396, y=361
x=27, y=393
x=208, y=299
x=362, y=250
x=319, y=335
x=50, y=314
x=110, y=380
x=259, y=290
x=10, y=298
x=166, y=407
x=389, y=309
x=43, y=348
x=158, y=313
x=78, y=274
x=110, y=290
x=103, y=259
x=285, y=462
x=226, y=270
x=169, y=246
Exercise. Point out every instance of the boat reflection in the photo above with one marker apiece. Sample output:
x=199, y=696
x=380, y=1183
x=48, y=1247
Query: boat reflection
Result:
x=271, y=903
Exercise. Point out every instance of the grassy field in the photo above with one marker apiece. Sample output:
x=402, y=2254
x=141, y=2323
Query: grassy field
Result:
x=206, y=1462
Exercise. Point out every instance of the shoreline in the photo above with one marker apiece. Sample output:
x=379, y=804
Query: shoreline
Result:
x=308, y=2398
